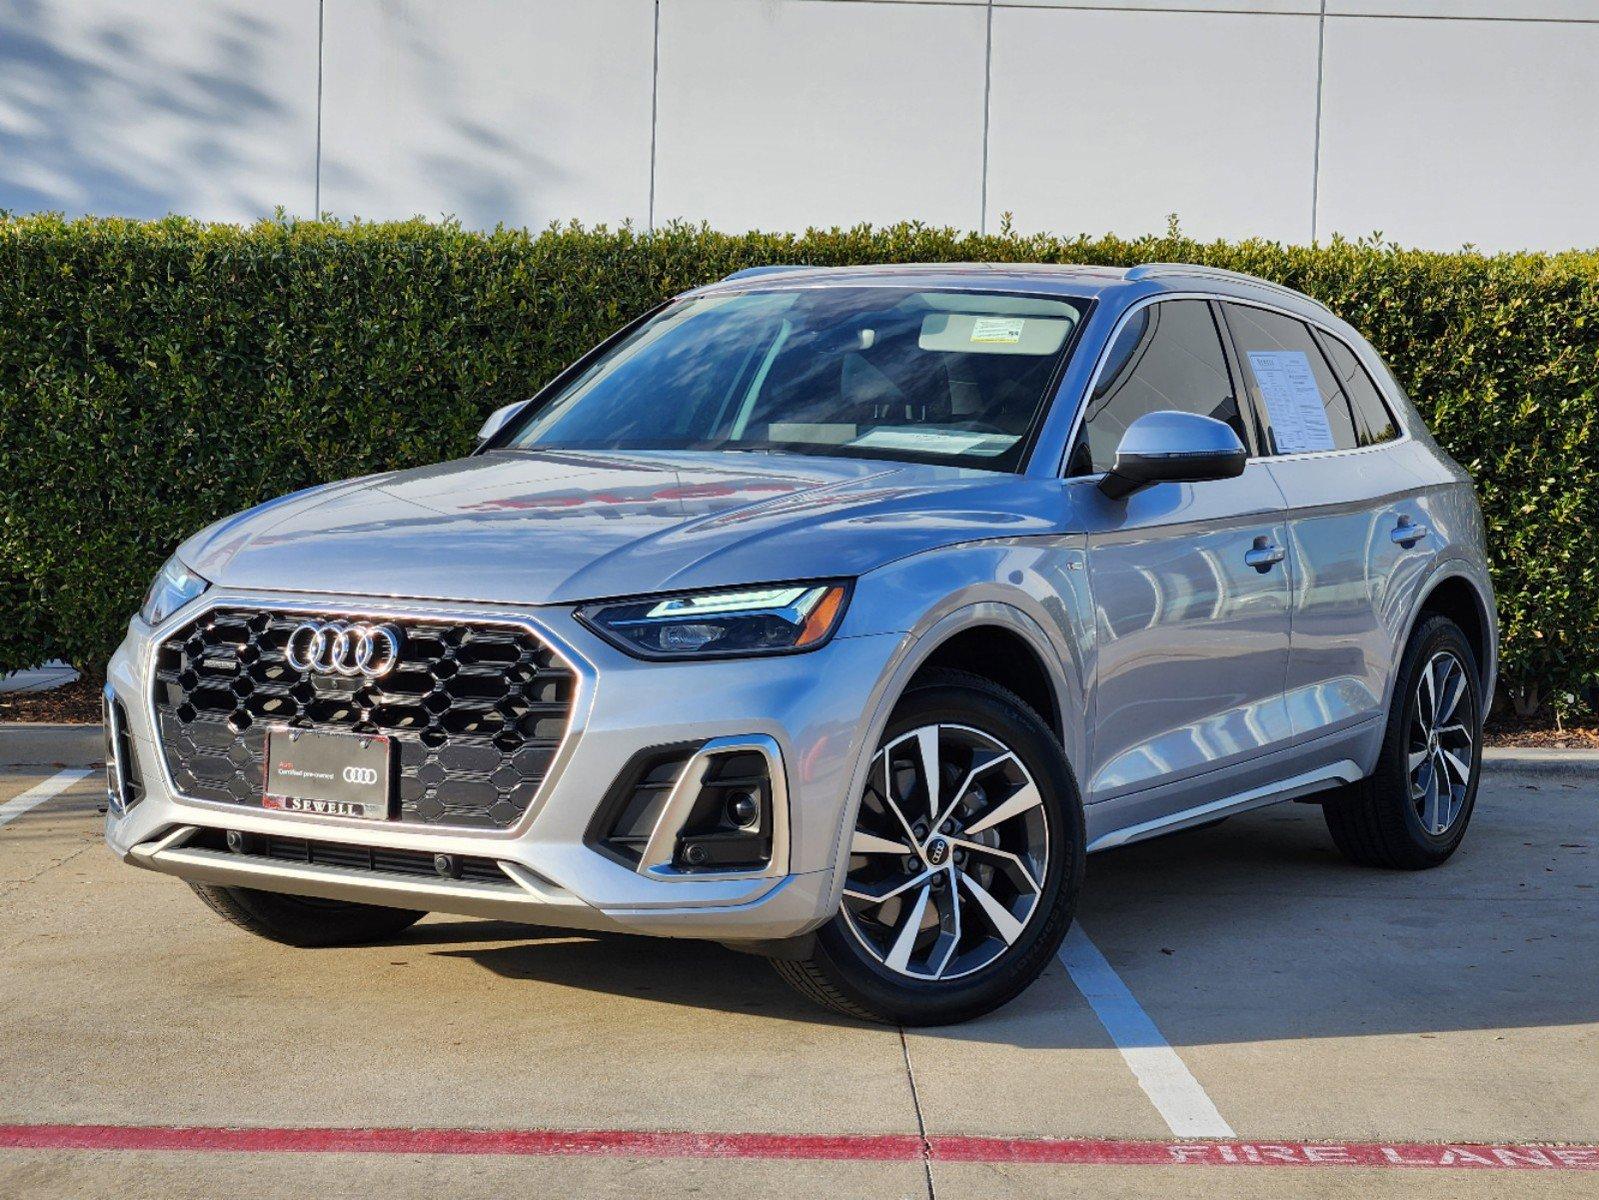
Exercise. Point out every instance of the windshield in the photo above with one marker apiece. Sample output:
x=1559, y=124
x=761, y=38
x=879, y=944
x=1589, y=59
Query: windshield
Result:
x=931, y=376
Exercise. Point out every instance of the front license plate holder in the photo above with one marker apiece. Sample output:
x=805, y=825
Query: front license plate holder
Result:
x=315, y=774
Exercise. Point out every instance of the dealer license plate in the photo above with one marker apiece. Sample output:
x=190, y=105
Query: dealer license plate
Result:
x=318, y=774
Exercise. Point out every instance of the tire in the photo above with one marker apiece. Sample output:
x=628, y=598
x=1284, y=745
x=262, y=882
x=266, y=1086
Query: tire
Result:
x=305, y=921
x=1381, y=821
x=854, y=965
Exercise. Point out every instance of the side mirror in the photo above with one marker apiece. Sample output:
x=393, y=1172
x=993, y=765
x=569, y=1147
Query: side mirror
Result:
x=1173, y=447
x=498, y=420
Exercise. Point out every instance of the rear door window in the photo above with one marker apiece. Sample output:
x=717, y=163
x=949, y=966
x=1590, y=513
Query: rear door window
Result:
x=1301, y=403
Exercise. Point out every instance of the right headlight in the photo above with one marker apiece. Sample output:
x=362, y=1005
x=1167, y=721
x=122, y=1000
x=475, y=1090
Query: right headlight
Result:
x=174, y=586
x=779, y=619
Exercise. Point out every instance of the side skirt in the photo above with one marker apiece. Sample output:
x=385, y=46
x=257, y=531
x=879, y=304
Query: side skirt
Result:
x=1322, y=778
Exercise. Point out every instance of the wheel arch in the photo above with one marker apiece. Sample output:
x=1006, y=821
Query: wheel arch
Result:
x=1455, y=594
x=1001, y=655
x=944, y=641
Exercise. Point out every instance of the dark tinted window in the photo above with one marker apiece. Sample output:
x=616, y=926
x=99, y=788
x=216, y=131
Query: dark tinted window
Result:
x=1304, y=408
x=1373, y=422
x=1167, y=356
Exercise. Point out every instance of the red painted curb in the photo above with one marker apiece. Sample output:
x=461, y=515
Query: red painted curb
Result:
x=527, y=1142
x=846, y=1147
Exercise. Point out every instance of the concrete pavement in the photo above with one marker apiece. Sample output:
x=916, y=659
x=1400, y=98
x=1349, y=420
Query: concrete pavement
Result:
x=1311, y=1001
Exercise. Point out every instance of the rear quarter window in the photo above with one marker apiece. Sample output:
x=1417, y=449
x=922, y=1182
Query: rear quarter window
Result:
x=1374, y=421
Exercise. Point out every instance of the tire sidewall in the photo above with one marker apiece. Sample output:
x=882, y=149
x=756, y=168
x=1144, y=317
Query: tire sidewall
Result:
x=1439, y=633
x=914, y=1001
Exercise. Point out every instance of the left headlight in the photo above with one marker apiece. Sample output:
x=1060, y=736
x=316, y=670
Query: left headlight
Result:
x=175, y=585
x=780, y=619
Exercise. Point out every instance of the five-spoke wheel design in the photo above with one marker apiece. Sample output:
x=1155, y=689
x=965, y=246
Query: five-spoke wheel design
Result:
x=949, y=854
x=1440, y=743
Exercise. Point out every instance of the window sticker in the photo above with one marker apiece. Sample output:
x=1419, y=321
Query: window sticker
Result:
x=988, y=333
x=1293, y=401
x=1004, y=331
x=929, y=440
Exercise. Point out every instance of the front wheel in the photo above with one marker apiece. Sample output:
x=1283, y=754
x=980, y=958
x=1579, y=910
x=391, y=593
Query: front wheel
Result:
x=963, y=866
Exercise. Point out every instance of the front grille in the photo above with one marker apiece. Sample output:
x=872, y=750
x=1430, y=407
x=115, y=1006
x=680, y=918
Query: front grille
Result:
x=416, y=863
x=478, y=711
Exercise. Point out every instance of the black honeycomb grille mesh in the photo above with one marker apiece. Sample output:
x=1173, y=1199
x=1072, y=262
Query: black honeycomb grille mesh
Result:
x=478, y=711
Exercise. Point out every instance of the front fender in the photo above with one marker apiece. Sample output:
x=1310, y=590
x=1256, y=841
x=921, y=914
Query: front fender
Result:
x=1029, y=587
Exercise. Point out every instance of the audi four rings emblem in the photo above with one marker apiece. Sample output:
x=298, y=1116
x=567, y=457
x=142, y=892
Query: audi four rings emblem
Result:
x=360, y=775
x=340, y=648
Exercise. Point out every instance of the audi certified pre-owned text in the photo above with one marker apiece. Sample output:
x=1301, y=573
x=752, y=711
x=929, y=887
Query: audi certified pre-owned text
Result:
x=833, y=614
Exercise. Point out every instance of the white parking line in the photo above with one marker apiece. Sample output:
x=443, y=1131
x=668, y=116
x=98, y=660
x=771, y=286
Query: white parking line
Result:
x=1165, y=1078
x=40, y=792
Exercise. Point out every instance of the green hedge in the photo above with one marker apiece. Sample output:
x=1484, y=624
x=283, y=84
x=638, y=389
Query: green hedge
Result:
x=155, y=376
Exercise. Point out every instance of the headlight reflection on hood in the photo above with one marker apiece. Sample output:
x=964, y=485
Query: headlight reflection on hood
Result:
x=722, y=624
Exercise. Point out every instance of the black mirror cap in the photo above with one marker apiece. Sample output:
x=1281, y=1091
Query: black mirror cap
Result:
x=1173, y=447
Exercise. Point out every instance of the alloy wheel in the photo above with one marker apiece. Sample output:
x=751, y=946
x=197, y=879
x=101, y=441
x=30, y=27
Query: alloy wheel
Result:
x=1440, y=743
x=949, y=854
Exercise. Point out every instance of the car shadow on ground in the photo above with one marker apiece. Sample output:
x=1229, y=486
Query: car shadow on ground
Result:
x=1254, y=930
x=679, y=971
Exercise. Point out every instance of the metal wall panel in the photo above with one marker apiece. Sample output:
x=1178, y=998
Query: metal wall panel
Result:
x=1494, y=10
x=787, y=113
x=1440, y=133
x=525, y=113
x=1108, y=121
x=1440, y=121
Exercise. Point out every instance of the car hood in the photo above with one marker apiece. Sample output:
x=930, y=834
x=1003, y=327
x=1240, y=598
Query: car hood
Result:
x=520, y=527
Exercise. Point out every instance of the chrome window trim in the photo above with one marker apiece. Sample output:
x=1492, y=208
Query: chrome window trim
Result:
x=1222, y=298
x=582, y=697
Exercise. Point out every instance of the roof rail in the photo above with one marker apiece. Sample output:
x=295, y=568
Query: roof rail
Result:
x=770, y=269
x=1158, y=269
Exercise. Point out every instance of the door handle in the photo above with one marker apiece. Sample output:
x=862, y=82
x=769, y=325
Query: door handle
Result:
x=1407, y=533
x=1265, y=554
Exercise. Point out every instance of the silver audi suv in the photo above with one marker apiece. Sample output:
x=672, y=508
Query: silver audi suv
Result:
x=833, y=615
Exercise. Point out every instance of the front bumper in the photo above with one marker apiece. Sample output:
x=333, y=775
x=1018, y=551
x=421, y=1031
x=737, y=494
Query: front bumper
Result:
x=814, y=708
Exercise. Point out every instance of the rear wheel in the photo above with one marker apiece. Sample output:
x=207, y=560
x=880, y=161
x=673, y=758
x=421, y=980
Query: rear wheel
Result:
x=305, y=921
x=1412, y=811
x=963, y=866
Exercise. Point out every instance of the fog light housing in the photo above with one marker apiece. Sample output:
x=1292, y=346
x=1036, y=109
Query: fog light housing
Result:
x=697, y=809
x=730, y=824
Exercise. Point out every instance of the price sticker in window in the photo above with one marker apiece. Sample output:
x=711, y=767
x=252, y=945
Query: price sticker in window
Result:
x=1293, y=401
x=1000, y=331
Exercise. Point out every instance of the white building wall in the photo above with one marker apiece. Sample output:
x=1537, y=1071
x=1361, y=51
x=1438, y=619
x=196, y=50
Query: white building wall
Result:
x=1437, y=122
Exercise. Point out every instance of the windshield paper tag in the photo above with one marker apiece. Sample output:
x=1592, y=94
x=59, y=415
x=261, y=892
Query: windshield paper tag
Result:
x=1293, y=401
x=1005, y=331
